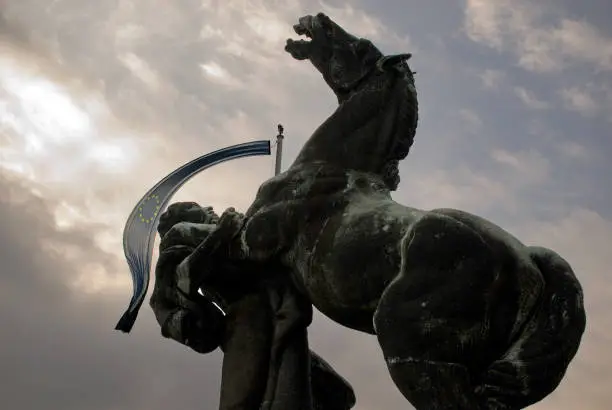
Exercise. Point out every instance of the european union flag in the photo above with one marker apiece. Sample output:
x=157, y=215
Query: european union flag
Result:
x=139, y=231
x=149, y=208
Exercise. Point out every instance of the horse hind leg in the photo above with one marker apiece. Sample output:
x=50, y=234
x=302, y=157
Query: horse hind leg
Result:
x=431, y=319
x=535, y=364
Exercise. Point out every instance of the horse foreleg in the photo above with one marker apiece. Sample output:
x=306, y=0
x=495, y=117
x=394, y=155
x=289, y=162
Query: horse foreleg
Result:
x=431, y=319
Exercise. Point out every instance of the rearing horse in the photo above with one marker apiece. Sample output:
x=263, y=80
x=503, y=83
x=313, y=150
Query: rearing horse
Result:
x=466, y=315
x=377, y=111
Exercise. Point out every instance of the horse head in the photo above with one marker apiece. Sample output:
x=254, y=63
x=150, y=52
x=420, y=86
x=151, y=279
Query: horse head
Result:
x=376, y=93
x=343, y=59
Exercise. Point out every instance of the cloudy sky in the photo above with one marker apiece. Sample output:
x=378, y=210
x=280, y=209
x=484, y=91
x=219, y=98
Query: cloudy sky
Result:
x=100, y=99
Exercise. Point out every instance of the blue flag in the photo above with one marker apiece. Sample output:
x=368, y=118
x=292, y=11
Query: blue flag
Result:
x=139, y=231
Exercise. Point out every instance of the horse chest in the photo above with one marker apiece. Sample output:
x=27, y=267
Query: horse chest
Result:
x=354, y=256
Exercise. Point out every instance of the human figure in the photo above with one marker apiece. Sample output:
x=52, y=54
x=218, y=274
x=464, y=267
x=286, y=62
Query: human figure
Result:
x=260, y=325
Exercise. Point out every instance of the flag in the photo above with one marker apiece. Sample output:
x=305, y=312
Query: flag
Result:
x=139, y=231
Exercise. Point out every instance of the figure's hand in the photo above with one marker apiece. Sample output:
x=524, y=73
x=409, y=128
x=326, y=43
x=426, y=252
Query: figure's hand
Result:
x=200, y=329
x=185, y=212
x=230, y=223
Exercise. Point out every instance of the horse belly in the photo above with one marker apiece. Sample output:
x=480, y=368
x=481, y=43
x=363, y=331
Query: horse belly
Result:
x=522, y=280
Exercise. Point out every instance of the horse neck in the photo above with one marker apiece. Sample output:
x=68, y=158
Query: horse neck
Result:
x=371, y=129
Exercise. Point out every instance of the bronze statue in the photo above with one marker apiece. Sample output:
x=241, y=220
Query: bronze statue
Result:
x=466, y=315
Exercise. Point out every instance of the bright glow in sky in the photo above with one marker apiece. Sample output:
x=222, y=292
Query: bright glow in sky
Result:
x=49, y=111
x=54, y=138
x=48, y=119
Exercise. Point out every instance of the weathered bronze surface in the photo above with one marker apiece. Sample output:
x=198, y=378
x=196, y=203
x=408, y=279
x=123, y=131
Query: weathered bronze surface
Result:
x=467, y=316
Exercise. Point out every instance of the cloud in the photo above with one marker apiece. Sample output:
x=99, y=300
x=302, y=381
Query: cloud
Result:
x=530, y=163
x=542, y=39
x=461, y=187
x=529, y=99
x=60, y=340
x=574, y=150
x=141, y=70
x=582, y=237
x=580, y=100
x=217, y=74
x=492, y=79
x=470, y=118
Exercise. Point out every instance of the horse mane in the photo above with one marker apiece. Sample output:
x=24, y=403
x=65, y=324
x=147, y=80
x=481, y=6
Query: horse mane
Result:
x=408, y=114
x=381, y=112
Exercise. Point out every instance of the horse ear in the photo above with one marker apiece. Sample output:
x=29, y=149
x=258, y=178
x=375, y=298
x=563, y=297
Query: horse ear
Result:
x=389, y=61
x=366, y=52
x=363, y=46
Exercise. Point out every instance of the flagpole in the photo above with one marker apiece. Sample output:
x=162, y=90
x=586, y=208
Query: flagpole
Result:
x=279, y=150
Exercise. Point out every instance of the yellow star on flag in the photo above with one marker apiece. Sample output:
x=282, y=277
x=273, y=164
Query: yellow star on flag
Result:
x=149, y=208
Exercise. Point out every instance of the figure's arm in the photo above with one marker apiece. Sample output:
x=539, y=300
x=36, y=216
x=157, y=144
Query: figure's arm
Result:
x=213, y=250
x=190, y=319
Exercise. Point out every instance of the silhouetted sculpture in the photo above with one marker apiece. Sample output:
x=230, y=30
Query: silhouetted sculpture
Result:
x=466, y=315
